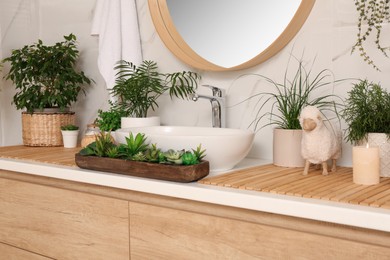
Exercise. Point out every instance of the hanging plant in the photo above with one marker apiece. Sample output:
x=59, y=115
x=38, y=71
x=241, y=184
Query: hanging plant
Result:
x=372, y=15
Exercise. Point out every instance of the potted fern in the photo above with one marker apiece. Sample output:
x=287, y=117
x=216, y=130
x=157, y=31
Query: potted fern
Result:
x=367, y=113
x=138, y=88
x=45, y=77
x=286, y=101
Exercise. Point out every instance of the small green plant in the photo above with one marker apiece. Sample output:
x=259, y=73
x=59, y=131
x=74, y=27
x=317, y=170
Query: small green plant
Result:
x=135, y=144
x=110, y=120
x=367, y=110
x=45, y=76
x=138, y=88
x=69, y=127
x=291, y=96
x=371, y=17
x=102, y=147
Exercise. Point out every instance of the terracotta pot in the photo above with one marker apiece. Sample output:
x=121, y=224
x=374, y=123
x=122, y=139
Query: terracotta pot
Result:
x=127, y=122
x=287, y=148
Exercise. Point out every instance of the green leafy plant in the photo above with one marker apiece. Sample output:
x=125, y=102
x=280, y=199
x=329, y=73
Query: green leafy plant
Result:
x=110, y=120
x=367, y=110
x=45, y=76
x=69, y=127
x=291, y=96
x=138, y=88
x=135, y=144
x=102, y=147
x=372, y=15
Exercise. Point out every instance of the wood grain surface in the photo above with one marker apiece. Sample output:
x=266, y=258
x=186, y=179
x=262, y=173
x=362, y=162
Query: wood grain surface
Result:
x=336, y=186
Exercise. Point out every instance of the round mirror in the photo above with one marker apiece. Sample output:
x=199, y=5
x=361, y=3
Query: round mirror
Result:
x=220, y=35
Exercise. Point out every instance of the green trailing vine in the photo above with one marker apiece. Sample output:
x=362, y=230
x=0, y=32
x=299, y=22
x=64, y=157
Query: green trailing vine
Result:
x=372, y=15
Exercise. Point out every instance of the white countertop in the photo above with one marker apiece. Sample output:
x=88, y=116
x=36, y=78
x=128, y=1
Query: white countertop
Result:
x=334, y=212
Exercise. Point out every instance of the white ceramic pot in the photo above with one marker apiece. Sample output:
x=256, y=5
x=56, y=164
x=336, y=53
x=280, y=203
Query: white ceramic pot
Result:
x=127, y=122
x=70, y=138
x=380, y=140
x=287, y=148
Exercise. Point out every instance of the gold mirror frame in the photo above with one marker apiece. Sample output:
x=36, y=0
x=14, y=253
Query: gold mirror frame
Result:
x=175, y=43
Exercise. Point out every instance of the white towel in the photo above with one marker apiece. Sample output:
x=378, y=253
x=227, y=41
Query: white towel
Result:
x=116, y=24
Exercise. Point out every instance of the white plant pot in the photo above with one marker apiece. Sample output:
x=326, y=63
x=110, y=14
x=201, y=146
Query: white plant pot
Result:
x=70, y=138
x=287, y=148
x=380, y=140
x=127, y=122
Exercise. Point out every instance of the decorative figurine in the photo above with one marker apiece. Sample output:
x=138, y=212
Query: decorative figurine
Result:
x=320, y=141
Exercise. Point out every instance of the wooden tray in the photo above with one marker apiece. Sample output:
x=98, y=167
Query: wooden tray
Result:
x=167, y=172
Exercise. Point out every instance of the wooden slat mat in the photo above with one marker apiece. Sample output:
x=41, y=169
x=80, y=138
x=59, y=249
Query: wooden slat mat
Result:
x=290, y=181
x=51, y=155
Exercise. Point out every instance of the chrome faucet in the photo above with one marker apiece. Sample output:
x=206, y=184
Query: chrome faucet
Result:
x=217, y=101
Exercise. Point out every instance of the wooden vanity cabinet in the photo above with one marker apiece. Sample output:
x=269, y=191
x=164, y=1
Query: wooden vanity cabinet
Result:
x=62, y=224
x=61, y=219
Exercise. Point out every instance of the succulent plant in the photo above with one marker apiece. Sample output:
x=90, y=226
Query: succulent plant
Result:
x=174, y=156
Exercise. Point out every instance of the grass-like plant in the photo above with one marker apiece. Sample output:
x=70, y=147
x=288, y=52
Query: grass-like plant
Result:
x=138, y=87
x=291, y=96
x=367, y=110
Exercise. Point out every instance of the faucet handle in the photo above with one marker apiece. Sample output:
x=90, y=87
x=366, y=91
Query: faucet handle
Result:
x=217, y=92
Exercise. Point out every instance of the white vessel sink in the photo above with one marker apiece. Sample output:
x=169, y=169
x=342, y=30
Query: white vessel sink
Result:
x=225, y=147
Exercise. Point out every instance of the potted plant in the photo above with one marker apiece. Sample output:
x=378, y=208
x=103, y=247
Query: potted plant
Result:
x=45, y=77
x=367, y=114
x=138, y=88
x=371, y=17
x=286, y=102
x=110, y=120
x=70, y=133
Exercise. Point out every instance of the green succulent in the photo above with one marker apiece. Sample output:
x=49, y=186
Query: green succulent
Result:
x=199, y=153
x=140, y=156
x=100, y=147
x=69, y=127
x=113, y=152
x=189, y=158
x=136, y=149
x=153, y=153
x=174, y=156
x=135, y=144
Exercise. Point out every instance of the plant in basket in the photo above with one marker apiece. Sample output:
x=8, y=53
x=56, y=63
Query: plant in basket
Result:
x=46, y=77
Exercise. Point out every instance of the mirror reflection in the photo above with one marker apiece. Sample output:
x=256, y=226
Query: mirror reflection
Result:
x=230, y=32
x=220, y=35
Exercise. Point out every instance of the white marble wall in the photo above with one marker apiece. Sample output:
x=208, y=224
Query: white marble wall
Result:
x=326, y=37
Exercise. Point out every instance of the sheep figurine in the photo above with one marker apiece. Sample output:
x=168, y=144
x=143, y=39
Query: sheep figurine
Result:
x=320, y=142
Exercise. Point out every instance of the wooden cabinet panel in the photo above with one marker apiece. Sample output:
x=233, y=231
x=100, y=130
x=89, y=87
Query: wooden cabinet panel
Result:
x=162, y=233
x=63, y=224
x=13, y=253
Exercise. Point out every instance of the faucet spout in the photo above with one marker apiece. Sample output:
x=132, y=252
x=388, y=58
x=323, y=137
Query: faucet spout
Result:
x=218, y=109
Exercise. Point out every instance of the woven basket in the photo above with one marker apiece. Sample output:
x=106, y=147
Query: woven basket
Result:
x=44, y=129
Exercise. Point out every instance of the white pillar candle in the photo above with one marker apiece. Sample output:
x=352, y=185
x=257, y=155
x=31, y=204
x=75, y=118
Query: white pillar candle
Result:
x=366, y=165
